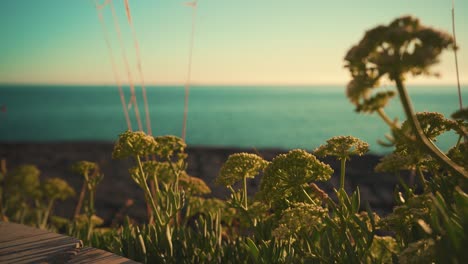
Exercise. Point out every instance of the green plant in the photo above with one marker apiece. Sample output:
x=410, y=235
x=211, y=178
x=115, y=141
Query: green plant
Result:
x=401, y=48
x=92, y=177
x=291, y=219
x=342, y=147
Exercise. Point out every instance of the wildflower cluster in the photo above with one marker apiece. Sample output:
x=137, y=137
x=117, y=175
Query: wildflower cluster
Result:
x=300, y=217
x=433, y=124
x=342, y=147
x=57, y=189
x=403, y=46
x=170, y=146
x=194, y=185
x=287, y=174
x=134, y=144
x=291, y=219
x=239, y=166
x=376, y=102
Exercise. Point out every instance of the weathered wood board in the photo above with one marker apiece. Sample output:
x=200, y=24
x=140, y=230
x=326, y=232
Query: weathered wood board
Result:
x=23, y=244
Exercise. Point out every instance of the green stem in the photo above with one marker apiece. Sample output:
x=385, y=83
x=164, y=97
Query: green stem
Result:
x=245, y=193
x=156, y=182
x=147, y=190
x=422, y=178
x=342, y=173
x=80, y=200
x=176, y=173
x=46, y=214
x=423, y=140
x=307, y=195
x=2, y=214
x=386, y=119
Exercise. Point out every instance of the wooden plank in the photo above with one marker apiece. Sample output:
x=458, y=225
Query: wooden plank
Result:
x=23, y=244
x=92, y=255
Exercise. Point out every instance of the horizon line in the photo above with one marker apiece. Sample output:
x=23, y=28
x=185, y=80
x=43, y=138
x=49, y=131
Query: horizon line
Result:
x=207, y=84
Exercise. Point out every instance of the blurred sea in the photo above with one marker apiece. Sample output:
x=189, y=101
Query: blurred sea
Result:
x=229, y=116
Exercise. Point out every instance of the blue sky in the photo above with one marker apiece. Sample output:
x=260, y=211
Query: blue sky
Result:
x=236, y=42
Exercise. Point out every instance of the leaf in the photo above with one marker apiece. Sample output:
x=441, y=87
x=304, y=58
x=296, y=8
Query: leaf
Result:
x=253, y=249
x=356, y=201
x=169, y=239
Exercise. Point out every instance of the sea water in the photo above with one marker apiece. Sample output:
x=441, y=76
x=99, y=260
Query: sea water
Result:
x=231, y=116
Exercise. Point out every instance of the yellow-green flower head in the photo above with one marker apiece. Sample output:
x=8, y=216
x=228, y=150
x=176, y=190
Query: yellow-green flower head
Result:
x=433, y=124
x=287, y=172
x=194, y=185
x=134, y=144
x=461, y=114
x=376, y=102
x=300, y=217
x=396, y=162
x=85, y=168
x=23, y=180
x=169, y=146
x=459, y=154
x=394, y=50
x=342, y=147
x=57, y=189
x=238, y=166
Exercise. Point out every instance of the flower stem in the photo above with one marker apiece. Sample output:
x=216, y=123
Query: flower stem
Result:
x=423, y=140
x=307, y=195
x=147, y=191
x=421, y=178
x=245, y=193
x=386, y=119
x=46, y=214
x=80, y=200
x=342, y=173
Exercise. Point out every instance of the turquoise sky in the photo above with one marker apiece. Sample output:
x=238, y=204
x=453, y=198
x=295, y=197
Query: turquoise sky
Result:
x=236, y=42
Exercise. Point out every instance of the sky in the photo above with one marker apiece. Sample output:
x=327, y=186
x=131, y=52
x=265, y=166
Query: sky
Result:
x=253, y=42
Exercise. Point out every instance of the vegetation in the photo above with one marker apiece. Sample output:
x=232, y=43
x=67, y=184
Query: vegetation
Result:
x=290, y=219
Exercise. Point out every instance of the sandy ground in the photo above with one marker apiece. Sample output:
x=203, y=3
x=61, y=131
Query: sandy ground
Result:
x=55, y=160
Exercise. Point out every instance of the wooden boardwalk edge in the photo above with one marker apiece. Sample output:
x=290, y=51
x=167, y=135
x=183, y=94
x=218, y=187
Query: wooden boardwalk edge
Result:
x=23, y=244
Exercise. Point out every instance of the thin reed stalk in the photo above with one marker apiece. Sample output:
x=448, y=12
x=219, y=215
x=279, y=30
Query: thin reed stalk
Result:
x=460, y=101
x=193, y=5
x=133, y=99
x=140, y=71
x=114, y=66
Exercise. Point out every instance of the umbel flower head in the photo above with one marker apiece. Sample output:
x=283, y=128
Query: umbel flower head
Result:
x=376, y=102
x=286, y=173
x=23, y=181
x=433, y=125
x=300, y=217
x=134, y=144
x=168, y=146
x=194, y=185
x=342, y=147
x=57, y=189
x=404, y=46
x=461, y=114
x=396, y=162
x=239, y=166
x=86, y=168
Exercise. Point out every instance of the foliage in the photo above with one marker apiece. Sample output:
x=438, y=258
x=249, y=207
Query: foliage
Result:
x=291, y=219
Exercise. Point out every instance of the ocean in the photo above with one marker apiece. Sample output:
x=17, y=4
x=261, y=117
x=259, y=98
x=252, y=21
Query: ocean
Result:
x=226, y=116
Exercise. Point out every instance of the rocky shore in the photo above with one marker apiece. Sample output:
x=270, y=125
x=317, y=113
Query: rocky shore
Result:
x=56, y=159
